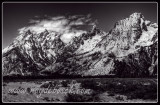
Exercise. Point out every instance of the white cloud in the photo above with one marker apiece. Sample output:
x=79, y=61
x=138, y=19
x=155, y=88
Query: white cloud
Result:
x=66, y=37
x=34, y=21
x=58, y=17
x=61, y=24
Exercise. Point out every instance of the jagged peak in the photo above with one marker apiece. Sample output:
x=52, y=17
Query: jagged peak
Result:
x=134, y=20
x=28, y=32
x=94, y=27
x=136, y=15
x=46, y=31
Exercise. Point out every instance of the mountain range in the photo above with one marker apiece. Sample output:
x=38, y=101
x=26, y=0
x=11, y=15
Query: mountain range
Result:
x=129, y=49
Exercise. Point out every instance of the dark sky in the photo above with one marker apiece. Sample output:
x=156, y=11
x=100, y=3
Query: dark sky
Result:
x=17, y=15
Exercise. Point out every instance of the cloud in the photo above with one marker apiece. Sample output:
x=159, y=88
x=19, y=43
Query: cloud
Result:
x=66, y=37
x=67, y=26
x=58, y=17
x=34, y=21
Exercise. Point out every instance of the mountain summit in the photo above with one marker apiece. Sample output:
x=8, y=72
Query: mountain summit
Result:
x=129, y=49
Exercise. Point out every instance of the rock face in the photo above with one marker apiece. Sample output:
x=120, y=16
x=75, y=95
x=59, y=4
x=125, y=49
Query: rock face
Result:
x=129, y=49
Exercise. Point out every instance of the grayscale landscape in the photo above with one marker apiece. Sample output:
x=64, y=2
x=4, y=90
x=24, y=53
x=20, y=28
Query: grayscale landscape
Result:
x=69, y=58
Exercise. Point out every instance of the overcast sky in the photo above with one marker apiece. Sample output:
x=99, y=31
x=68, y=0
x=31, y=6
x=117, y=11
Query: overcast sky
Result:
x=18, y=15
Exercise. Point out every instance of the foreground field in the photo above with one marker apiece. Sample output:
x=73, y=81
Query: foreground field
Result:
x=81, y=90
